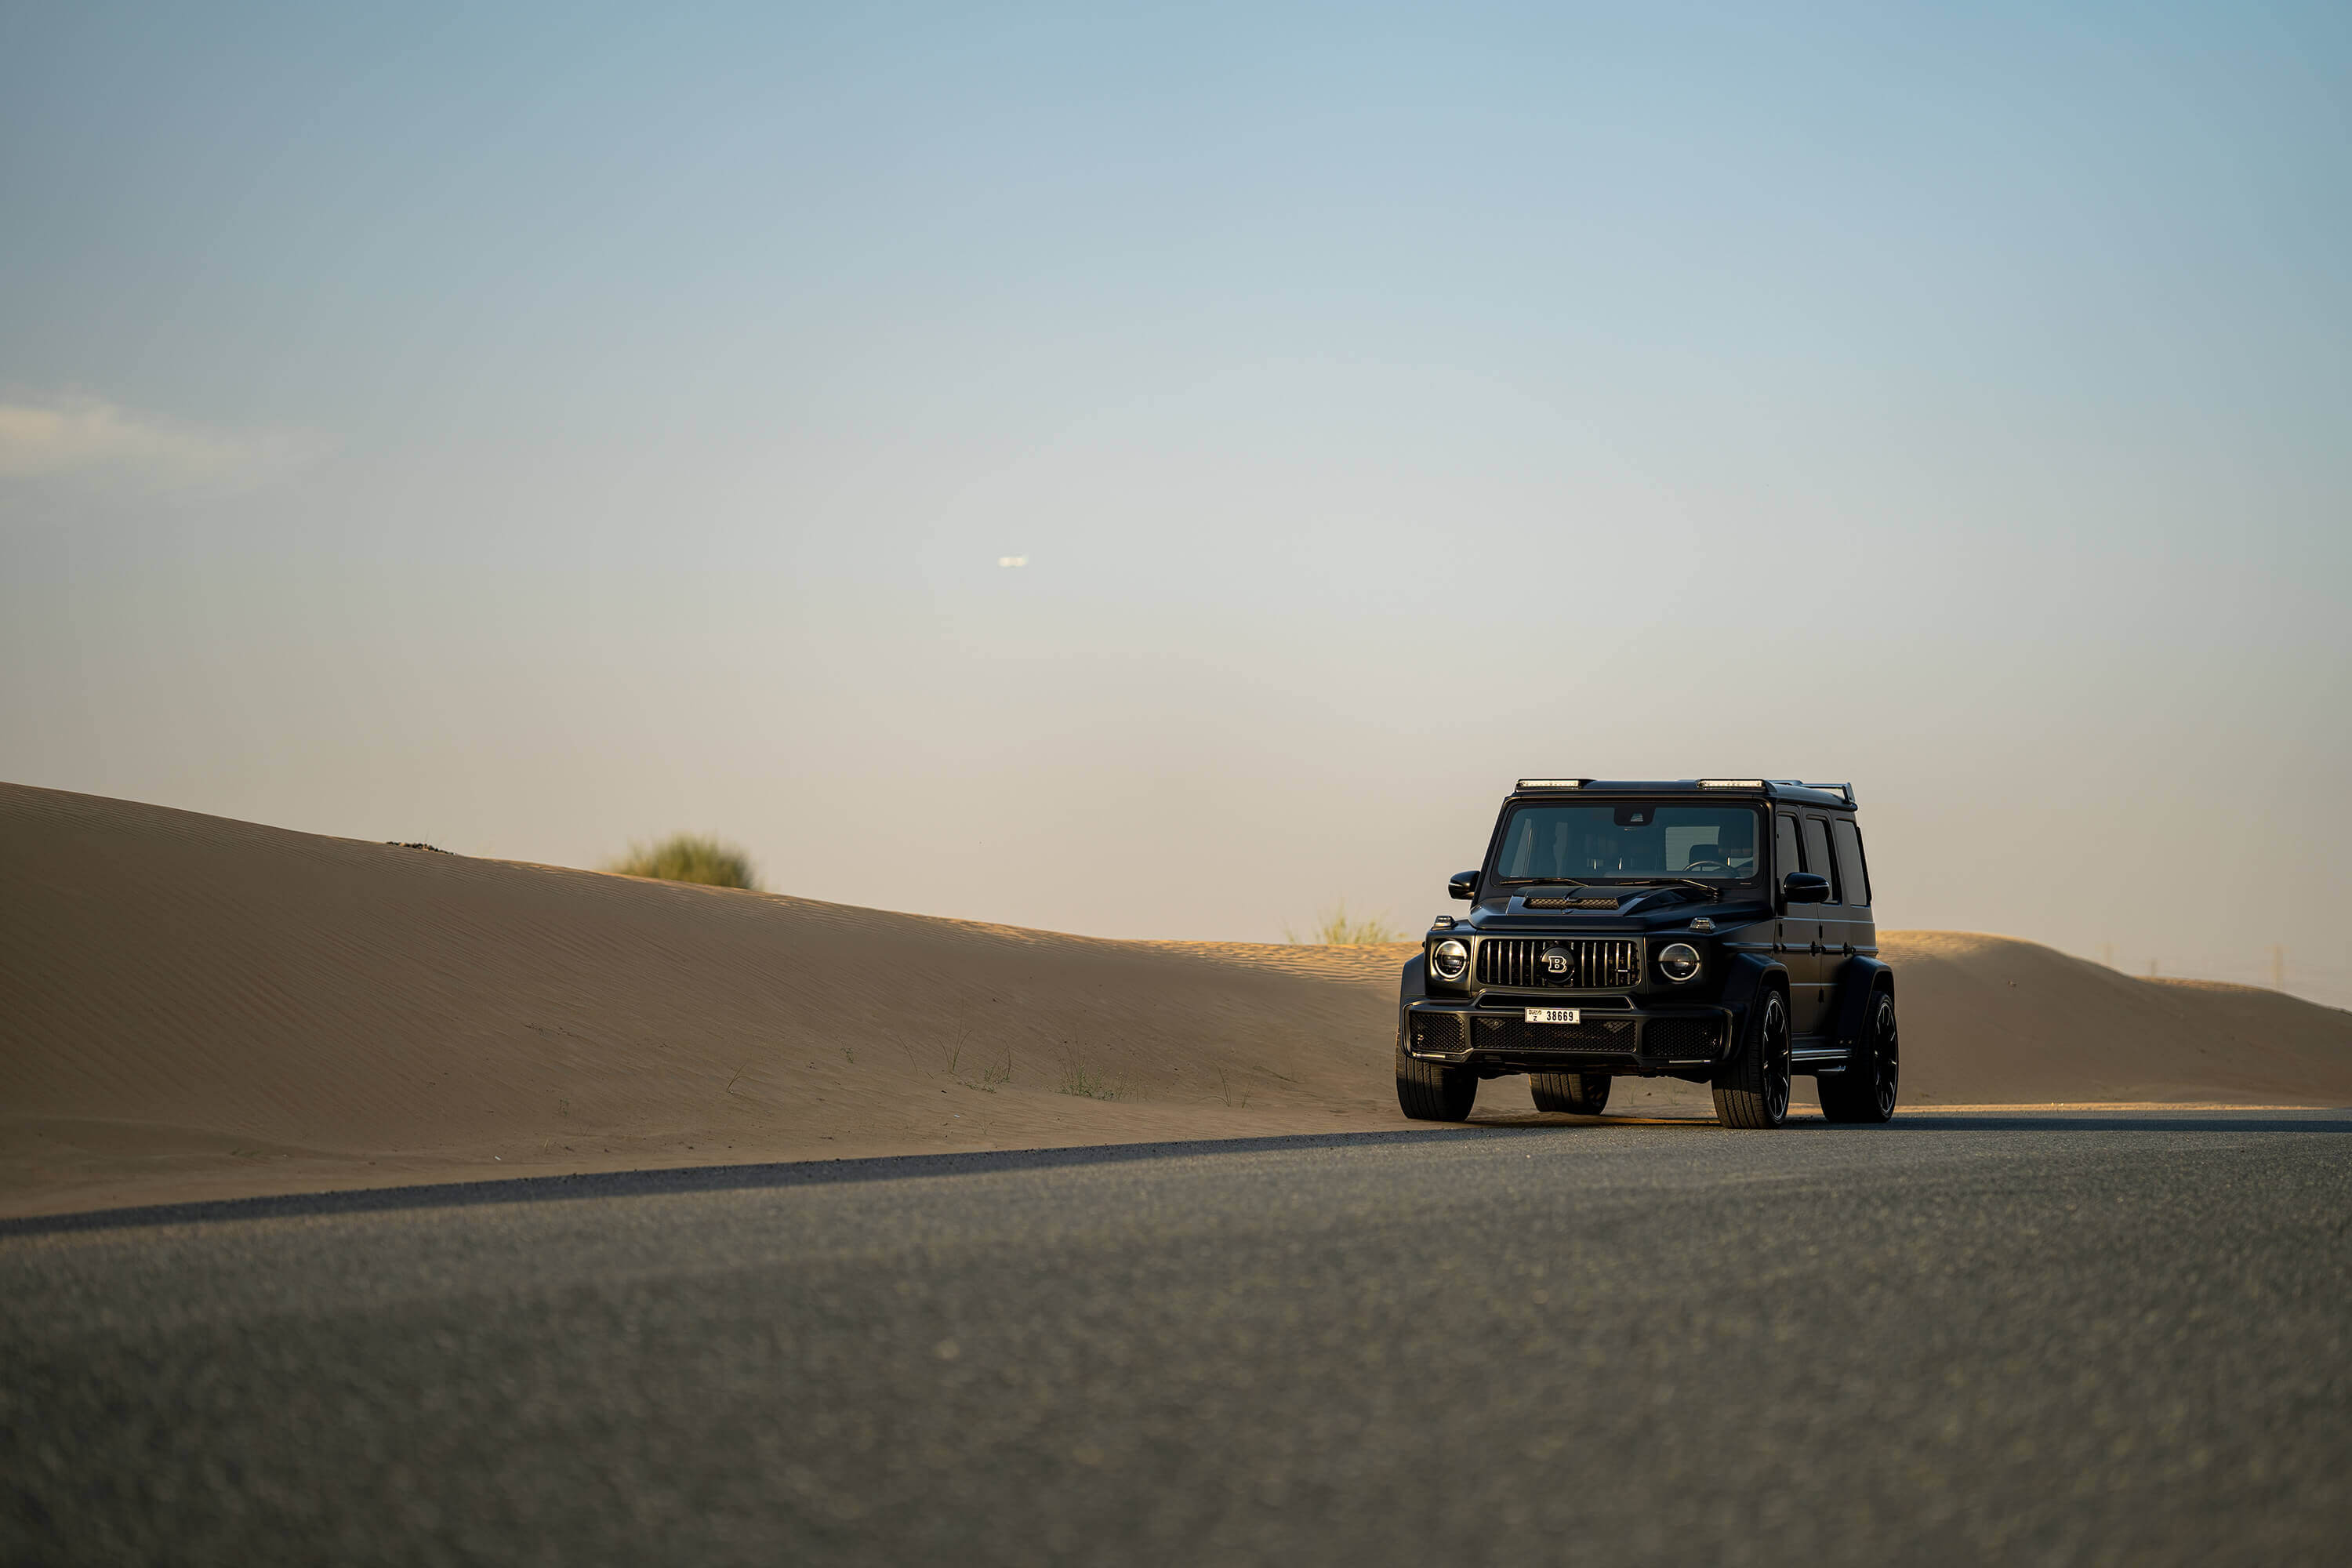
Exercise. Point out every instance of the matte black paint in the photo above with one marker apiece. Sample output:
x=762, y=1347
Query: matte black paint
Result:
x=1821, y=956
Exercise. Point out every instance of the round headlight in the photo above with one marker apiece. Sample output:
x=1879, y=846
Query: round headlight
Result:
x=1679, y=963
x=1450, y=959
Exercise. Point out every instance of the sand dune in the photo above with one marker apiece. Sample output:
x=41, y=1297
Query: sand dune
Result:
x=192, y=1006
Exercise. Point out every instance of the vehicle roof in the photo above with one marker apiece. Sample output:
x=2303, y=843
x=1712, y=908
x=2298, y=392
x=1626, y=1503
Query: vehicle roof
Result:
x=1837, y=796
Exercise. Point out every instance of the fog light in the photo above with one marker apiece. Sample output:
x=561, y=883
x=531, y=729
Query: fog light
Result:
x=1679, y=963
x=1450, y=959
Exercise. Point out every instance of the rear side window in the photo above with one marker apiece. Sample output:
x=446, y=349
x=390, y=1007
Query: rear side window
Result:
x=1851, y=871
x=1817, y=853
x=1785, y=857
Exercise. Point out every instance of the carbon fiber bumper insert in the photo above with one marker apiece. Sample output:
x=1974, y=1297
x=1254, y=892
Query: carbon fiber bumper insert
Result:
x=1506, y=1033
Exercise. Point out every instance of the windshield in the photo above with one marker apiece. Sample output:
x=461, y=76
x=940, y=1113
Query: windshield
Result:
x=1627, y=841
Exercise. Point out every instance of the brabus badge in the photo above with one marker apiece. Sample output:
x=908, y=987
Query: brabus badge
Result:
x=1702, y=923
x=1556, y=960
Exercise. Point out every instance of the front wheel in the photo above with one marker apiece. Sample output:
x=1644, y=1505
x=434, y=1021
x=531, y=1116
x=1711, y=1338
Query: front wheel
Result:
x=1752, y=1089
x=1430, y=1091
x=1866, y=1091
x=1578, y=1093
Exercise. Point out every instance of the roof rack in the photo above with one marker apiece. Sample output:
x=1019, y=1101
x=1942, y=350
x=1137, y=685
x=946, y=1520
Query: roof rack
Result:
x=1842, y=789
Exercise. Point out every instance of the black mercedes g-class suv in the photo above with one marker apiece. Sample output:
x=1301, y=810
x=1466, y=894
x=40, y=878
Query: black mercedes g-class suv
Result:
x=1712, y=930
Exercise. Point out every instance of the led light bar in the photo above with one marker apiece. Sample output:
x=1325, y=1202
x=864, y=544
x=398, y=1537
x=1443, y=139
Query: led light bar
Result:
x=1553, y=783
x=1731, y=784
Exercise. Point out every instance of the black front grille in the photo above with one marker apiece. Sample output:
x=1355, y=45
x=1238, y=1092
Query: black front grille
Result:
x=1508, y=1034
x=1584, y=964
x=1681, y=1037
x=1436, y=1031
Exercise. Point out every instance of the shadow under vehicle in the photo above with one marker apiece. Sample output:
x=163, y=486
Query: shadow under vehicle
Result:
x=1717, y=931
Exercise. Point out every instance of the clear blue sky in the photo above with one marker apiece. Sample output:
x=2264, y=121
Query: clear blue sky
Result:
x=536, y=429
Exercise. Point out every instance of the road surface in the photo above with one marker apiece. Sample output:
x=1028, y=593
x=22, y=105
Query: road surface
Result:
x=2023, y=1337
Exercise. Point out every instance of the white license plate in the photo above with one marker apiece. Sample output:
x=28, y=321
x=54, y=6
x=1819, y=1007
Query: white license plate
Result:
x=1555, y=1015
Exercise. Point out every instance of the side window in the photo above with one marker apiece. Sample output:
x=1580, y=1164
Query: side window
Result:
x=1851, y=871
x=1817, y=853
x=1785, y=859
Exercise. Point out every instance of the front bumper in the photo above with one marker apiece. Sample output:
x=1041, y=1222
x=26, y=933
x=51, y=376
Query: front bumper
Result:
x=1611, y=1038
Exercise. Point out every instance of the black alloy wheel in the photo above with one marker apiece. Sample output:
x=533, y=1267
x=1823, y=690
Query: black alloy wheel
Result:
x=1752, y=1089
x=1578, y=1093
x=1866, y=1091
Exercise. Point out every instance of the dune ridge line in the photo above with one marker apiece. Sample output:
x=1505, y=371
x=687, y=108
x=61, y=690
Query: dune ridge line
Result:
x=195, y=1008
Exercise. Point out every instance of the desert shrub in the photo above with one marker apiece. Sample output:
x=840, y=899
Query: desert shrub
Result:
x=688, y=857
x=1086, y=1083
x=1334, y=929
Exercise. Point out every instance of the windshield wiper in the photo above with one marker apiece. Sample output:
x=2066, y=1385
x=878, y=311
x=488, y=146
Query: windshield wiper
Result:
x=1593, y=888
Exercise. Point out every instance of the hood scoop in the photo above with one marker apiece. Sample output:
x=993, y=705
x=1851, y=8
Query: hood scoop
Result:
x=1560, y=903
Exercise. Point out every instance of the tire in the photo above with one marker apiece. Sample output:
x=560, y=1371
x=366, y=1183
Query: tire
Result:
x=1430, y=1091
x=1752, y=1089
x=1578, y=1093
x=1864, y=1093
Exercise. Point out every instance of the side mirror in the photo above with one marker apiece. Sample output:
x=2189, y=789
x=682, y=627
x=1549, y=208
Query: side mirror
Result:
x=1804, y=888
x=1462, y=885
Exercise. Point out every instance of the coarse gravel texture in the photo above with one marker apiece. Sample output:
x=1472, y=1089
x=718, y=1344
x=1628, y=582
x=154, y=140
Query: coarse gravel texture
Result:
x=2060, y=1337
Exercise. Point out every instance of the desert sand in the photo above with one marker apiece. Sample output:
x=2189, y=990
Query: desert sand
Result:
x=194, y=1007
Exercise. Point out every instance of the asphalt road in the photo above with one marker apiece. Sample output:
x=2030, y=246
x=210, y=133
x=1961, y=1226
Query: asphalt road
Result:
x=2023, y=1338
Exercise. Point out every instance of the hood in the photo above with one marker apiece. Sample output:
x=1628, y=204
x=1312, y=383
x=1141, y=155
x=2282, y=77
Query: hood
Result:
x=1573, y=911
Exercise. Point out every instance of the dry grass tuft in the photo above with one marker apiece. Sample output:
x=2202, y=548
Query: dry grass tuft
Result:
x=1084, y=1081
x=688, y=857
x=1334, y=929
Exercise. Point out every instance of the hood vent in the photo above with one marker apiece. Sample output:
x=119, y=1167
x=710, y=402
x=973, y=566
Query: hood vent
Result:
x=1568, y=903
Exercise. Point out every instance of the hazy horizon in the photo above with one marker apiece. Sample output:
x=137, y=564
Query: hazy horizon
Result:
x=535, y=431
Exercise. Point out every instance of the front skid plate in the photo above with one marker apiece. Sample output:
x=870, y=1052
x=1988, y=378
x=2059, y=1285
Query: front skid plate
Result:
x=1609, y=1064
x=1525, y=1049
